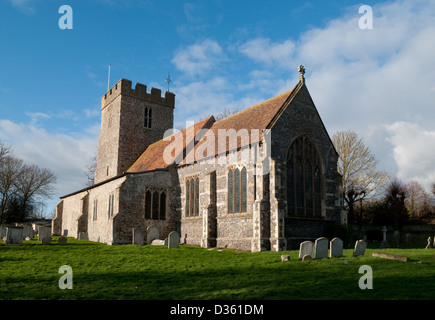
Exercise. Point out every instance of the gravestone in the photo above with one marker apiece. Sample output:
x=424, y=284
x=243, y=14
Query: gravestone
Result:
x=62, y=239
x=307, y=257
x=360, y=248
x=173, y=240
x=2, y=231
x=27, y=232
x=384, y=242
x=44, y=232
x=306, y=247
x=396, y=237
x=158, y=242
x=285, y=257
x=321, y=248
x=46, y=240
x=429, y=243
x=336, y=248
x=408, y=239
x=152, y=233
x=14, y=235
x=137, y=236
x=83, y=236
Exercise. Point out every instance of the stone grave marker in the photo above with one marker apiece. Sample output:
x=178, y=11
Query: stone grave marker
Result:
x=14, y=235
x=285, y=257
x=306, y=247
x=152, y=234
x=44, y=232
x=62, y=239
x=2, y=231
x=173, y=240
x=321, y=248
x=307, y=257
x=83, y=236
x=28, y=232
x=336, y=248
x=360, y=248
x=137, y=236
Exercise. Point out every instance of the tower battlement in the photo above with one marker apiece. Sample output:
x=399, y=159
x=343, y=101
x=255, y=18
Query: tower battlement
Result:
x=124, y=87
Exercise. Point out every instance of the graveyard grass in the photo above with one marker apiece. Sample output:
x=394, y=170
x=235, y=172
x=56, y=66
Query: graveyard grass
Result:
x=129, y=272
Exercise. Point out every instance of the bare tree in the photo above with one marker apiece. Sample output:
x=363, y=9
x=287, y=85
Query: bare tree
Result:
x=10, y=170
x=90, y=170
x=418, y=201
x=357, y=166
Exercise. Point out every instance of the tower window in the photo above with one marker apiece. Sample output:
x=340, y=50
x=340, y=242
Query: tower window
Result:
x=148, y=117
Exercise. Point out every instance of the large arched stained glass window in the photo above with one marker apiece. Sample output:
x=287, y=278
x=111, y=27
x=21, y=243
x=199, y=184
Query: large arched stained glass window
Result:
x=304, y=189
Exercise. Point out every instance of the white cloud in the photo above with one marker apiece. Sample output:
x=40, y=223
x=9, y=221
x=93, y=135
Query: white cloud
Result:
x=198, y=58
x=65, y=154
x=25, y=6
x=414, y=151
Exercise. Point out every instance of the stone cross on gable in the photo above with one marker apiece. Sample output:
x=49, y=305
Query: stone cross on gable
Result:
x=301, y=71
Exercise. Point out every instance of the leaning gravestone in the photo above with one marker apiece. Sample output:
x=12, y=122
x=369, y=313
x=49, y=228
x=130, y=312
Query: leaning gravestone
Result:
x=360, y=248
x=173, y=240
x=83, y=236
x=152, y=233
x=321, y=248
x=14, y=235
x=137, y=236
x=306, y=248
x=336, y=246
x=44, y=232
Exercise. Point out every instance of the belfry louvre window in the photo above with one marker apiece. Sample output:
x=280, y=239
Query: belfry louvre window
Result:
x=155, y=204
x=237, y=190
x=148, y=117
x=304, y=191
x=192, y=197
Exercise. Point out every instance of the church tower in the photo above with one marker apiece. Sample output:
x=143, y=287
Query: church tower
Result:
x=131, y=120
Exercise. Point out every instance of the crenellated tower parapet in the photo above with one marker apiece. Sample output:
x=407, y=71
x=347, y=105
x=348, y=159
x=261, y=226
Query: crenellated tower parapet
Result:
x=124, y=87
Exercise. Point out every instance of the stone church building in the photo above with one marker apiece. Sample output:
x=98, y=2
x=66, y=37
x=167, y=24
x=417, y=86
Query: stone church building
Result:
x=264, y=178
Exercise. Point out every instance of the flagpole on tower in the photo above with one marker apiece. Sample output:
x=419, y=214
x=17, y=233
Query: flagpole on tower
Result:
x=108, y=80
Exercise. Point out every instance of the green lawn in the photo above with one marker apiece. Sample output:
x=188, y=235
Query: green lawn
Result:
x=126, y=272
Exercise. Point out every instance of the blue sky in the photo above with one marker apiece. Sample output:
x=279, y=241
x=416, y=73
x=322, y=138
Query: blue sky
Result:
x=221, y=55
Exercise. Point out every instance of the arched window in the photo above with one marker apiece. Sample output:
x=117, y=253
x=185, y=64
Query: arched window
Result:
x=304, y=190
x=162, y=213
x=155, y=205
x=237, y=190
x=192, y=197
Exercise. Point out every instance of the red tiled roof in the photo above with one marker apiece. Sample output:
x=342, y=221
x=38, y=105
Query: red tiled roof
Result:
x=153, y=157
x=257, y=117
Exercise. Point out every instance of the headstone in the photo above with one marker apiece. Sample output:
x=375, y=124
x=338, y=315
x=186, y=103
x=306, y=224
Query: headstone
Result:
x=384, y=242
x=429, y=243
x=83, y=236
x=408, y=239
x=27, y=232
x=46, y=240
x=152, y=233
x=396, y=237
x=173, y=240
x=2, y=231
x=14, y=235
x=306, y=247
x=285, y=257
x=62, y=239
x=158, y=242
x=321, y=248
x=307, y=257
x=44, y=232
x=137, y=236
x=360, y=248
x=336, y=248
